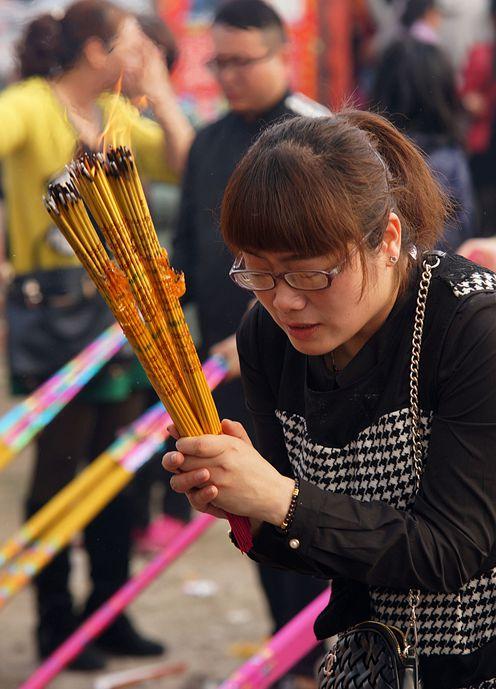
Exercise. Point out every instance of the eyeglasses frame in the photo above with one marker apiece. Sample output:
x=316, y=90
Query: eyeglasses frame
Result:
x=235, y=270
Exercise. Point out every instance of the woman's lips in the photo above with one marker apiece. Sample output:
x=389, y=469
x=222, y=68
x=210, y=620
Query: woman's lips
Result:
x=302, y=331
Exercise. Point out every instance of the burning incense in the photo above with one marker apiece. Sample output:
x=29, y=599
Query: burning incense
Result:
x=134, y=276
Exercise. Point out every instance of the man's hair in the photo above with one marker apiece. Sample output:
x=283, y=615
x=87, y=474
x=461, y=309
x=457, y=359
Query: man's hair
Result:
x=250, y=14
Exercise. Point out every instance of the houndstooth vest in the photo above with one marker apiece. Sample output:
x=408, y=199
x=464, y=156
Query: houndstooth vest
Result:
x=378, y=465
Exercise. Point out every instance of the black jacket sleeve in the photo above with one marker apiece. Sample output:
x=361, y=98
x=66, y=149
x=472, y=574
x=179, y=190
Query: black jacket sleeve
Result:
x=448, y=537
x=184, y=241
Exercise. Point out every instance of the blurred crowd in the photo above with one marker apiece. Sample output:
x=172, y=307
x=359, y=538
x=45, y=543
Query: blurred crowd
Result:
x=428, y=65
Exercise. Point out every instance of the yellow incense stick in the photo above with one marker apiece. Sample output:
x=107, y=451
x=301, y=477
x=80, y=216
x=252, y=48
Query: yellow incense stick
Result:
x=60, y=535
x=58, y=505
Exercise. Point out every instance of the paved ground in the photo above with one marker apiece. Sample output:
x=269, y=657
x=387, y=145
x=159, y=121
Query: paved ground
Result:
x=209, y=633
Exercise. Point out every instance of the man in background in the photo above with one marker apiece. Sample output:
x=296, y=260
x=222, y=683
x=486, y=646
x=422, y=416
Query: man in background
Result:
x=251, y=64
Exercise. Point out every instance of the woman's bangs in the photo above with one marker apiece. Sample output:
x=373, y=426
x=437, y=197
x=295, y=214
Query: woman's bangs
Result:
x=283, y=208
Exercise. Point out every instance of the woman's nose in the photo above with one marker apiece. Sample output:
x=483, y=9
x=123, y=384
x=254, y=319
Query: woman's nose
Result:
x=287, y=298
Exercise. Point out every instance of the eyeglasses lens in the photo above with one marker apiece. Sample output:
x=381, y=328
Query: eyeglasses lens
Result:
x=307, y=280
x=254, y=281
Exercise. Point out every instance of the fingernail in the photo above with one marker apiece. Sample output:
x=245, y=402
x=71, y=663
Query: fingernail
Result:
x=173, y=458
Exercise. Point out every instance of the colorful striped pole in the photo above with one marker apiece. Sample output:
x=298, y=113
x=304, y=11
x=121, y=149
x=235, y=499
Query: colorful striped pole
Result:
x=279, y=654
x=19, y=425
x=127, y=454
x=105, y=615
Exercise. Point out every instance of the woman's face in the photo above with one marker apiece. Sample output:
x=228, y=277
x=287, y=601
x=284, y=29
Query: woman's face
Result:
x=345, y=314
x=125, y=53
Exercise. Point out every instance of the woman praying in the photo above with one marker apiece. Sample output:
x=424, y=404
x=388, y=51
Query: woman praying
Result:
x=369, y=367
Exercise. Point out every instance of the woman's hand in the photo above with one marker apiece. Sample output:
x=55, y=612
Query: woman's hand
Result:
x=149, y=77
x=225, y=472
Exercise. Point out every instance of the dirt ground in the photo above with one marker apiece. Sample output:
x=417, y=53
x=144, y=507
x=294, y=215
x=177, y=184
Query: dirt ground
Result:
x=209, y=634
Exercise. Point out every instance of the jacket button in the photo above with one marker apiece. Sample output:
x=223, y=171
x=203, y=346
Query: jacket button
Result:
x=294, y=543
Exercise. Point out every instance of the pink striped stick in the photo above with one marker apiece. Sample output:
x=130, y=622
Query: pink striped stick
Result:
x=278, y=655
x=102, y=618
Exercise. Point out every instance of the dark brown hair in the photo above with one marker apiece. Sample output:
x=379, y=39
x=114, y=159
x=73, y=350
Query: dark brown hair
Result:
x=315, y=186
x=51, y=45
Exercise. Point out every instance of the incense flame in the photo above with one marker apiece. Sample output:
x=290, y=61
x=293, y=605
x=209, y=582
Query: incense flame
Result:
x=141, y=102
x=117, y=131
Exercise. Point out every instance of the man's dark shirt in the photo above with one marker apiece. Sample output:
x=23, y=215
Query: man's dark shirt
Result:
x=199, y=250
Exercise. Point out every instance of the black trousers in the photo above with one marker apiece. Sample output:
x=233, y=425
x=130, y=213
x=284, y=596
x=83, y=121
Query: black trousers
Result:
x=75, y=437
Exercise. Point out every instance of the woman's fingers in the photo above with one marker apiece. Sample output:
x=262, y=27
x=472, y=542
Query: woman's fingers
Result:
x=172, y=461
x=200, y=498
x=202, y=445
x=173, y=431
x=184, y=482
x=236, y=430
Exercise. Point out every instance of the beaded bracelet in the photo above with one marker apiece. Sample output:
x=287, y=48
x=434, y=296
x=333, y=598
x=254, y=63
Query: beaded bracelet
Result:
x=288, y=519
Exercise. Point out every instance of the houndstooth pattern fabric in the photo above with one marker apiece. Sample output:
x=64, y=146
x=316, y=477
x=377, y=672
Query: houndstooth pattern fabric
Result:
x=377, y=465
x=479, y=281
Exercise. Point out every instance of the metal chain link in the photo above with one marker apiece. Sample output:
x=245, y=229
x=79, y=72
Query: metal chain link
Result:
x=418, y=327
x=431, y=262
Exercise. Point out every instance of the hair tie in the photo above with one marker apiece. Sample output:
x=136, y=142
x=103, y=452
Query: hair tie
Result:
x=58, y=14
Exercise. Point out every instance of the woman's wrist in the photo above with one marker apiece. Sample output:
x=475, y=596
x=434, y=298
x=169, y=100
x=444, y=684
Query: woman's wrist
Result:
x=280, y=504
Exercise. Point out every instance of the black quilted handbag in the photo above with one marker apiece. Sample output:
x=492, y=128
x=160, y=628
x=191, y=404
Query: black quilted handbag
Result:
x=372, y=655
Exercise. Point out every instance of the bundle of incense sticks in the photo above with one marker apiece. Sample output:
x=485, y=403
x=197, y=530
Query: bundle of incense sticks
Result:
x=138, y=283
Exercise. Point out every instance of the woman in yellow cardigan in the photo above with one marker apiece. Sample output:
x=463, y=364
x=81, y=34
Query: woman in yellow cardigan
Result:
x=68, y=65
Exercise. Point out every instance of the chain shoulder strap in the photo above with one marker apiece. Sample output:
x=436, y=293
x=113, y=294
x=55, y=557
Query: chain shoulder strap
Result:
x=430, y=262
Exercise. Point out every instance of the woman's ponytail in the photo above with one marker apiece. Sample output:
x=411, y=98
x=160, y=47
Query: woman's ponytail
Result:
x=40, y=50
x=50, y=45
x=419, y=200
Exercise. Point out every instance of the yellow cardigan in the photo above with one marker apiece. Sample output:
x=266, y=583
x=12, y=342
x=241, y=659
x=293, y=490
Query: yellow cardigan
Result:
x=36, y=142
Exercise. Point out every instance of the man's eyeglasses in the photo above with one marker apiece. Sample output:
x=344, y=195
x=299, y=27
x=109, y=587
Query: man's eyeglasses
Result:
x=264, y=280
x=219, y=64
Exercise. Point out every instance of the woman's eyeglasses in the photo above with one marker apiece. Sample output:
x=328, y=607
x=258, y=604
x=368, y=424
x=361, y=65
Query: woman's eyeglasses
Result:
x=264, y=280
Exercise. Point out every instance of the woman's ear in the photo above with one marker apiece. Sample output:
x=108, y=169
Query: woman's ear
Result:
x=95, y=53
x=391, y=241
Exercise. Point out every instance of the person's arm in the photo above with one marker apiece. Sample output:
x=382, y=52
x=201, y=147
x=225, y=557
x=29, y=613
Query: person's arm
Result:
x=12, y=122
x=449, y=534
x=476, y=81
x=228, y=350
x=171, y=139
